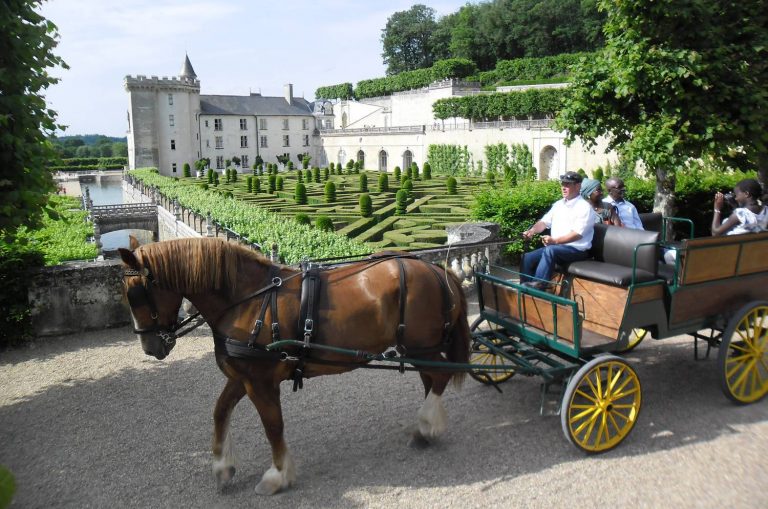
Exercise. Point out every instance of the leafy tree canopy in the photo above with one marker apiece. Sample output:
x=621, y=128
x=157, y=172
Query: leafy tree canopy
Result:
x=406, y=39
x=27, y=40
x=677, y=79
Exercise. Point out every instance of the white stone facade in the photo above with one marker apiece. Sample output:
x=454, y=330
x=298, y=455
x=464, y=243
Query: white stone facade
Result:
x=381, y=132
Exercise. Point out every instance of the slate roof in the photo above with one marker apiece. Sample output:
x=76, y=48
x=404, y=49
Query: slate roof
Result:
x=253, y=105
x=186, y=69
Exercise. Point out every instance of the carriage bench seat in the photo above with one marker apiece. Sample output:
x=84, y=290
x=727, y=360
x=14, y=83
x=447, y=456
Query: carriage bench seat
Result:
x=613, y=251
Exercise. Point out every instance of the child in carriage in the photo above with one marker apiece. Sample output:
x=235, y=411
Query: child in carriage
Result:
x=751, y=216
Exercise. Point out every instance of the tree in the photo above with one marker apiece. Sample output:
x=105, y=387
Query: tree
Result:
x=406, y=39
x=26, y=43
x=676, y=81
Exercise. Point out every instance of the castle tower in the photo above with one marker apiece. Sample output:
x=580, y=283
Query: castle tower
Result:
x=162, y=121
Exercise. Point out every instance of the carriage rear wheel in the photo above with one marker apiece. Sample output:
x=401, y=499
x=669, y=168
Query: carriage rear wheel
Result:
x=482, y=355
x=601, y=404
x=636, y=336
x=743, y=356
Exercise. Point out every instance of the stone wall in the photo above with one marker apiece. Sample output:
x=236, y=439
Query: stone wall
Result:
x=77, y=297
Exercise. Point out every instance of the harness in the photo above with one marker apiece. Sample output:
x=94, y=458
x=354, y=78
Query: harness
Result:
x=310, y=297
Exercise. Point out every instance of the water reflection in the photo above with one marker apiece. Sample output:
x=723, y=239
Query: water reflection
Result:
x=110, y=192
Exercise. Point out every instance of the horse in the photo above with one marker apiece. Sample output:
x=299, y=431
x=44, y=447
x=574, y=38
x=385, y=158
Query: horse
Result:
x=383, y=305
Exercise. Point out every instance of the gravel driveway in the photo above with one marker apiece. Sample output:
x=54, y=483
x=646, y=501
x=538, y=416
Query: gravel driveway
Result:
x=90, y=421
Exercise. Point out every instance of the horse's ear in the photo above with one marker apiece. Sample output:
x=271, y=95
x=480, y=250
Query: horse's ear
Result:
x=129, y=258
x=132, y=242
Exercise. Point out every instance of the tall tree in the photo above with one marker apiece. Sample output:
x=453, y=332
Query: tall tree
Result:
x=406, y=39
x=677, y=79
x=26, y=43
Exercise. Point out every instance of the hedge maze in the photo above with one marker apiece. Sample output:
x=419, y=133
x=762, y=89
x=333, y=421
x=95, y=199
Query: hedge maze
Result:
x=428, y=207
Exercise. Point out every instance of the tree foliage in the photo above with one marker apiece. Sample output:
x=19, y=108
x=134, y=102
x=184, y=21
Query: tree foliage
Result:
x=27, y=40
x=406, y=39
x=504, y=105
x=675, y=81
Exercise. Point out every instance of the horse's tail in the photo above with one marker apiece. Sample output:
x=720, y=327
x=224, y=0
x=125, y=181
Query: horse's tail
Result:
x=460, y=336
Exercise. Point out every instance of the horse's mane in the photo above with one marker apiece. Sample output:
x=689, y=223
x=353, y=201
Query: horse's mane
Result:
x=197, y=265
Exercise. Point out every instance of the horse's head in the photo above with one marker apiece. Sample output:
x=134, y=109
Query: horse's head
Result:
x=154, y=310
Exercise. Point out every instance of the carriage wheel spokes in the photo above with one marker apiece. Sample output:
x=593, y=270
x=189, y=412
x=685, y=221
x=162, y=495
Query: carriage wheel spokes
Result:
x=482, y=355
x=601, y=404
x=743, y=356
x=636, y=336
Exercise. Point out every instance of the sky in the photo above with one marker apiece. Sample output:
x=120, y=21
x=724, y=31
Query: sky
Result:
x=235, y=46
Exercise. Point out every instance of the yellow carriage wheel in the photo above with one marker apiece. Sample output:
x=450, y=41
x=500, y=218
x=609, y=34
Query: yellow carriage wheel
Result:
x=636, y=336
x=743, y=356
x=601, y=404
x=481, y=355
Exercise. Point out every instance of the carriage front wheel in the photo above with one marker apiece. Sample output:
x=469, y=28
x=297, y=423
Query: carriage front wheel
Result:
x=743, y=355
x=483, y=356
x=601, y=404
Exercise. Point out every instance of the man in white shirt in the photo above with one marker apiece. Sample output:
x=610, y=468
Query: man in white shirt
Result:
x=572, y=224
x=627, y=212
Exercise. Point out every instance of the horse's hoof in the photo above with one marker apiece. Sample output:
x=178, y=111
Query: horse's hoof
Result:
x=224, y=476
x=273, y=481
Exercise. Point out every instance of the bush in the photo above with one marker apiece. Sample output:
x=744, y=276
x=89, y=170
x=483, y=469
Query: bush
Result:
x=366, y=205
x=427, y=171
x=324, y=223
x=401, y=198
x=299, y=176
x=363, y=183
x=330, y=192
x=407, y=186
x=383, y=183
x=300, y=194
x=210, y=176
x=326, y=174
x=16, y=265
x=256, y=185
x=215, y=178
x=409, y=172
x=249, y=184
x=415, y=171
x=203, y=186
x=271, y=183
x=397, y=173
x=450, y=184
x=279, y=183
x=316, y=174
x=187, y=172
x=303, y=218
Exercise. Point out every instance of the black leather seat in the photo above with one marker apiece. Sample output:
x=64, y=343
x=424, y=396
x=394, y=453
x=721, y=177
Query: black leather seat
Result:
x=613, y=249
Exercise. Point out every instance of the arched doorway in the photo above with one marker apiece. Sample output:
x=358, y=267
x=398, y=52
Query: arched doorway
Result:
x=548, y=163
x=382, y=160
x=361, y=159
x=407, y=160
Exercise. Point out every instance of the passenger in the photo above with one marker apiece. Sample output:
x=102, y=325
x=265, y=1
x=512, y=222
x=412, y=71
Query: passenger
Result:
x=627, y=212
x=749, y=217
x=592, y=191
x=572, y=224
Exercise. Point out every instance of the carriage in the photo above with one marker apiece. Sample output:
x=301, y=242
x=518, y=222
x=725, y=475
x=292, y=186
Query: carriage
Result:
x=717, y=292
x=273, y=323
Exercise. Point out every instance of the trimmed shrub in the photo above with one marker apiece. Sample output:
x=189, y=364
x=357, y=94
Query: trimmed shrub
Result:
x=187, y=172
x=324, y=223
x=210, y=176
x=397, y=173
x=407, y=186
x=256, y=185
x=299, y=176
x=279, y=182
x=300, y=194
x=383, y=183
x=249, y=184
x=332, y=168
x=409, y=172
x=326, y=174
x=427, y=172
x=363, y=183
x=233, y=176
x=316, y=174
x=401, y=198
x=366, y=205
x=271, y=182
x=216, y=178
x=303, y=218
x=330, y=192
x=451, y=184
x=415, y=171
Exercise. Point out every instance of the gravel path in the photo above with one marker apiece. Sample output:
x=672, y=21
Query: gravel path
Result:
x=90, y=421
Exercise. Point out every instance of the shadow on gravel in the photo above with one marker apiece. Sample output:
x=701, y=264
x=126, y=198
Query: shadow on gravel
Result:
x=141, y=437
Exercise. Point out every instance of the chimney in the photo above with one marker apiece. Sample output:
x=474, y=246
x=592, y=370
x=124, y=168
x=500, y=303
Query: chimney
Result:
x=289, y=93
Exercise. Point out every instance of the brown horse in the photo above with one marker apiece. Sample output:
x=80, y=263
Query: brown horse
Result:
x=358, y=308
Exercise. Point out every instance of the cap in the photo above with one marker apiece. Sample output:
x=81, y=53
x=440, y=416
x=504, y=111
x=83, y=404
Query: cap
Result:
x=571, y=177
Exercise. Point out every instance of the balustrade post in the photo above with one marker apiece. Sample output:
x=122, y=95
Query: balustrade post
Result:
x=208, y=226
x=273, y=255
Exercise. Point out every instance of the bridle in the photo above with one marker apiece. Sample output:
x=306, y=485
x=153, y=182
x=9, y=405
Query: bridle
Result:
x=138, y=296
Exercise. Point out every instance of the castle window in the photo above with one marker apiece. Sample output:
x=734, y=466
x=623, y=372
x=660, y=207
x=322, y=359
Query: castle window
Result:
x=171, y=122
x=304, y=124
x=263, y=141
x=243, y=141
x=263, y=124
x=219, y=162
x=219, y=142
x=285, y=124
x=244, y=161
x=217, y=124
x=170, y=99
x=173, y=166
x=286, y=140
x=173, y=144
x=243, y=124
x=306, y=140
